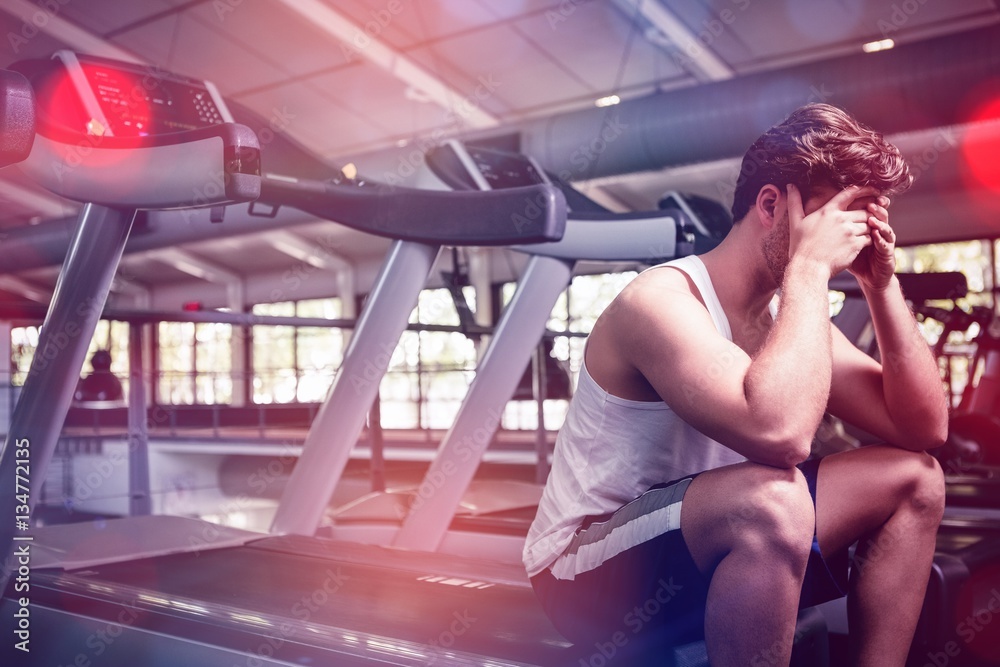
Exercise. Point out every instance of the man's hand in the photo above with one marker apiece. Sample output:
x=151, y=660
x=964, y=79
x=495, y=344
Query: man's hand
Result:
x=876, y=264
x=833, y=235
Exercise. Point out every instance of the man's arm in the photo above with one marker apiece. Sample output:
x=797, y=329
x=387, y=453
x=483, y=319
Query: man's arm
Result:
x=901, y=400
x=767, y=407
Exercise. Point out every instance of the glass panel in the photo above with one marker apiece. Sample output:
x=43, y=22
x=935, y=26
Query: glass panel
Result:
x=399, y=393
x=444, y=392
x=24, y=342
x=319, y=355
x=176, y=363
x=280, y=309
x=274, y=364
x=435, y=306
x=329, y=308
x=214, y=351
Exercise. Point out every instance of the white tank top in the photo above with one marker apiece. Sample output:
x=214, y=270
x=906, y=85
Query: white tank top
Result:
x=610, y=450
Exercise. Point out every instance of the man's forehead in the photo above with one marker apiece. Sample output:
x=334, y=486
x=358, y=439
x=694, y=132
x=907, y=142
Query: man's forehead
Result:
x=822, y=193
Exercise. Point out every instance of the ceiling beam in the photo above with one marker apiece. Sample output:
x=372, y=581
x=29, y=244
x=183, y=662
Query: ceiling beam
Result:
x=692, y=53
x=380, y=54
x=42, y=18
x=28, y=290
x=306, y=251
x=184, y=261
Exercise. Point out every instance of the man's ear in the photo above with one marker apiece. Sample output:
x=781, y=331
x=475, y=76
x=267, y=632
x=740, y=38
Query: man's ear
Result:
x=769, y=198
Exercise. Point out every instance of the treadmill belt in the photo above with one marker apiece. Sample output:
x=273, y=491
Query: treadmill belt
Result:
x=320, y=601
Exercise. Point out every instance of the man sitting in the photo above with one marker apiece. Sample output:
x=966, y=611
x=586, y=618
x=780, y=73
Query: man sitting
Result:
x=682, y=466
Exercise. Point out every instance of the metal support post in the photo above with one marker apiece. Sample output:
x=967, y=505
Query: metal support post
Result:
x=77, y=302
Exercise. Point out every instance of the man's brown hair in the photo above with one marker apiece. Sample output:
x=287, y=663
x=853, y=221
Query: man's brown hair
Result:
x=819, y=144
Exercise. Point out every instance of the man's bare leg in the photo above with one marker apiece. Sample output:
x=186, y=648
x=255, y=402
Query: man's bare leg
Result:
x=749, y=527
x=891, y=501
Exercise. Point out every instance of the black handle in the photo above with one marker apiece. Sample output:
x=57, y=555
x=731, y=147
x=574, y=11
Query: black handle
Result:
x=517, y=216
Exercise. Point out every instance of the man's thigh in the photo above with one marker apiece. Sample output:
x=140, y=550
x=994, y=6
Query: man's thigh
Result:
x=858, y=490
x=724, y=504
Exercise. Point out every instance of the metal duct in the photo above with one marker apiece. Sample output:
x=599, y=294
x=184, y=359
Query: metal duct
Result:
x=919, y=86
x=922, y=85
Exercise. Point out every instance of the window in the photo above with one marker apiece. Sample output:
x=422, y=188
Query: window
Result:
x=24, y=342
x=213, y=363
x=111, y=336
x=576, y=311
x=296, y=364
x=195, y=363
x=430, y=371
x=319, y=350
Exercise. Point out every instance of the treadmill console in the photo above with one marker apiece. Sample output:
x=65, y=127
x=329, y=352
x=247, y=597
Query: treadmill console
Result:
x=593, y=232
x=132, y=136
x=506, y=170
x=464, y=167
x=112, y=98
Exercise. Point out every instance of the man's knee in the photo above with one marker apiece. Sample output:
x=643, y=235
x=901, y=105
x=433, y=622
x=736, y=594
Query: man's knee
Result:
x=778, y=516
x=923, y=485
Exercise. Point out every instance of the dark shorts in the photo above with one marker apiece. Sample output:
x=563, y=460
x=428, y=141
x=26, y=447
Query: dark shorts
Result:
x=631, y=572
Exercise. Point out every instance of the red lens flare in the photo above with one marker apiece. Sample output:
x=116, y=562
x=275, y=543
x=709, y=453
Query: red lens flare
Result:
x=981, y=147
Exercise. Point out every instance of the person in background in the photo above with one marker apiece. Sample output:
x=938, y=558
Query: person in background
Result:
x=101, y=384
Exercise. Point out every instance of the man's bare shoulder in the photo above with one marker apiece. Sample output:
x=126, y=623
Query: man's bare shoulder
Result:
x=656, y=338
x=660, y=307
x=658, y=290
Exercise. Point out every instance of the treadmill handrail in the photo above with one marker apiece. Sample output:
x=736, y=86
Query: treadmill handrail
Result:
x=528, y=215
x=613, y=217
x=647, y=237
x=592, y=231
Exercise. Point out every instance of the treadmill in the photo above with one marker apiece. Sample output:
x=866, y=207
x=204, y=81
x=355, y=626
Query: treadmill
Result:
x=430, y=521
x=160, y=590
x=591, y=232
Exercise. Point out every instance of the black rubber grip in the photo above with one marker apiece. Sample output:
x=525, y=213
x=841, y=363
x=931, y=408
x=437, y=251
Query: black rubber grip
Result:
x=517, y=216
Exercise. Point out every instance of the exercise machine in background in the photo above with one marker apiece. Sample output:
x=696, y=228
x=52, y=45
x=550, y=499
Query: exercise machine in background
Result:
x=182, y=591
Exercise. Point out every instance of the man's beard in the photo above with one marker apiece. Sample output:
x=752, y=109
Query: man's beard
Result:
x=775, y=249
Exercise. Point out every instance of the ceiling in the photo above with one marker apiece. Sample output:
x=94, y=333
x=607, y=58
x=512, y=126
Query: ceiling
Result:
x=354, y=78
